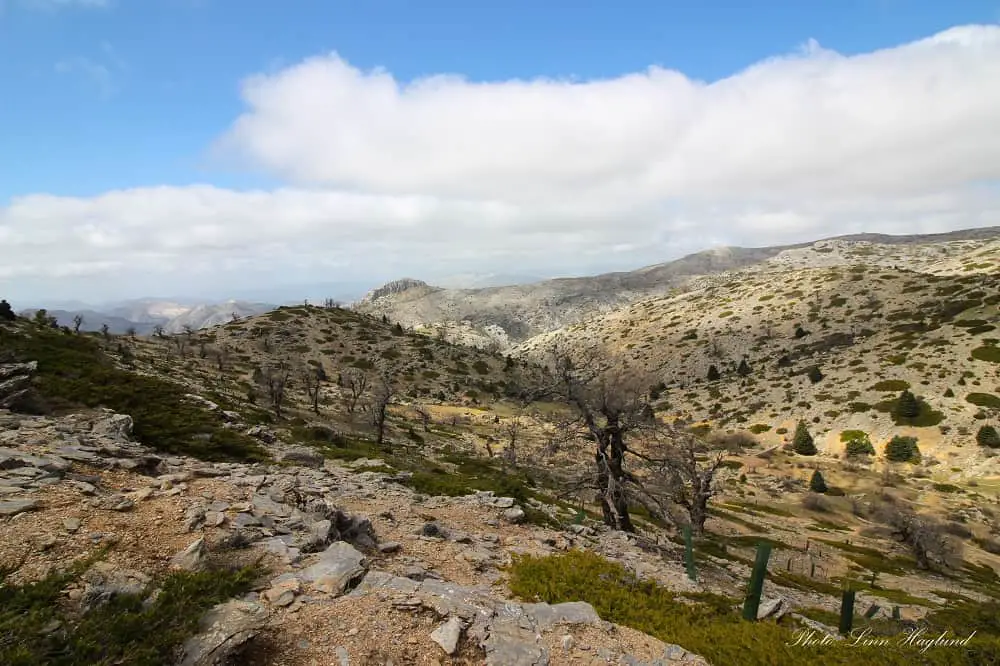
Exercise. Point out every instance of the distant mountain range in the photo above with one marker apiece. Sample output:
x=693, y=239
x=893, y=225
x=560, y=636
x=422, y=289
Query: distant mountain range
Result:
x=145, y=315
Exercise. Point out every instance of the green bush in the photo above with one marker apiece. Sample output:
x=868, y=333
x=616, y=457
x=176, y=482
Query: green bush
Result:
x=802, y=442
x=988, y=436
x=759, y=428
x=902, y=449
x=126, y=630
x=858, y=443
x=987, y=400
x=73, y=371
x=891, y=385
x=987, y=353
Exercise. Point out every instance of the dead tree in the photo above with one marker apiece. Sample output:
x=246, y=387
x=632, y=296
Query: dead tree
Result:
x=425, y=417
x=106, y=331
x=274, y=380
x=610, y=403
x=158, y=331
x=382, y=396
x=313, y=378
x=511, y=430
x=355, y=383
x=222, y=357
x=681, y=472
x=925, y=537
x=77, y=323
x=181, y=345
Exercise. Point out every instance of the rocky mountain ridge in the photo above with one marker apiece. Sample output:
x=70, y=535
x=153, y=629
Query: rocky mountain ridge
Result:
x=501, y=317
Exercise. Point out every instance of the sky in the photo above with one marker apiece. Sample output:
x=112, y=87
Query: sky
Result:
x=211, y=148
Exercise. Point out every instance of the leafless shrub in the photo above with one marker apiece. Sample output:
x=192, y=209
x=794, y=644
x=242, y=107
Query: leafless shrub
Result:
x=815, y=502
x=925, y=537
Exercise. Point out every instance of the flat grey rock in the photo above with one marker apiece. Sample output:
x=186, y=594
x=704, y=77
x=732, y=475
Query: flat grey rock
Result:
x=16, y=506
x=338, y=567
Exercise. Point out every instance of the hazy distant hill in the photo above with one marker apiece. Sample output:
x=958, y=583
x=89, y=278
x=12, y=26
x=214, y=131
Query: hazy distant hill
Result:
x=145, y=314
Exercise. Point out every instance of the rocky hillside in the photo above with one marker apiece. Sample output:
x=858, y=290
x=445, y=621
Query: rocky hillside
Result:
x=297, y=539
x=835, y=346
x=338, y=343
x=499, y=317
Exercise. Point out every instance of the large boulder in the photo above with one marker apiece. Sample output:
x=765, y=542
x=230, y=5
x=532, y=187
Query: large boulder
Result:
x=303, y=456
x=104, y=581
x=15, y=380
x=338, y=568
x=117, y=427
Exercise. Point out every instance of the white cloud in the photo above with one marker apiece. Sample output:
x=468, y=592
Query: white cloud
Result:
x=444, y=175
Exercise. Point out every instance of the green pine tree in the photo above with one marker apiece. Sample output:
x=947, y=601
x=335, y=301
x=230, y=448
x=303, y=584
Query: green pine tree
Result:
x=907, y=405
x=803, y=443
x=988, y=436
x=817, y=483
x=713, y=373
x=744, y=368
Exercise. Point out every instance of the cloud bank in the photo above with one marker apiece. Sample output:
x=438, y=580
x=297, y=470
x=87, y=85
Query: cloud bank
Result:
x=444, y=175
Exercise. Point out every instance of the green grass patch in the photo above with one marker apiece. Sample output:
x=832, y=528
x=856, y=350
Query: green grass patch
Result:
x=733, y=518
x=762, y=508
x=987, y=353
x=712, y=627
x=473, y=473
x=984, y=400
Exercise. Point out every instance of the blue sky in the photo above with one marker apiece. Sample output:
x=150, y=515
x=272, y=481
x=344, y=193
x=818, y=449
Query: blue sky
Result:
x=114, y=95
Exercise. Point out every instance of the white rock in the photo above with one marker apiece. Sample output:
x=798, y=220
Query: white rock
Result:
x=448, y=635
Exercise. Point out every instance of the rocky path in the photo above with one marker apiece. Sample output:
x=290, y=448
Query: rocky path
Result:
x=361, y=570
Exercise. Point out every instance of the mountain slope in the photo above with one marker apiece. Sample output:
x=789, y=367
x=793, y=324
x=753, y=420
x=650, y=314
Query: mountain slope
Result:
x=501, y=316
x=870, y=331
